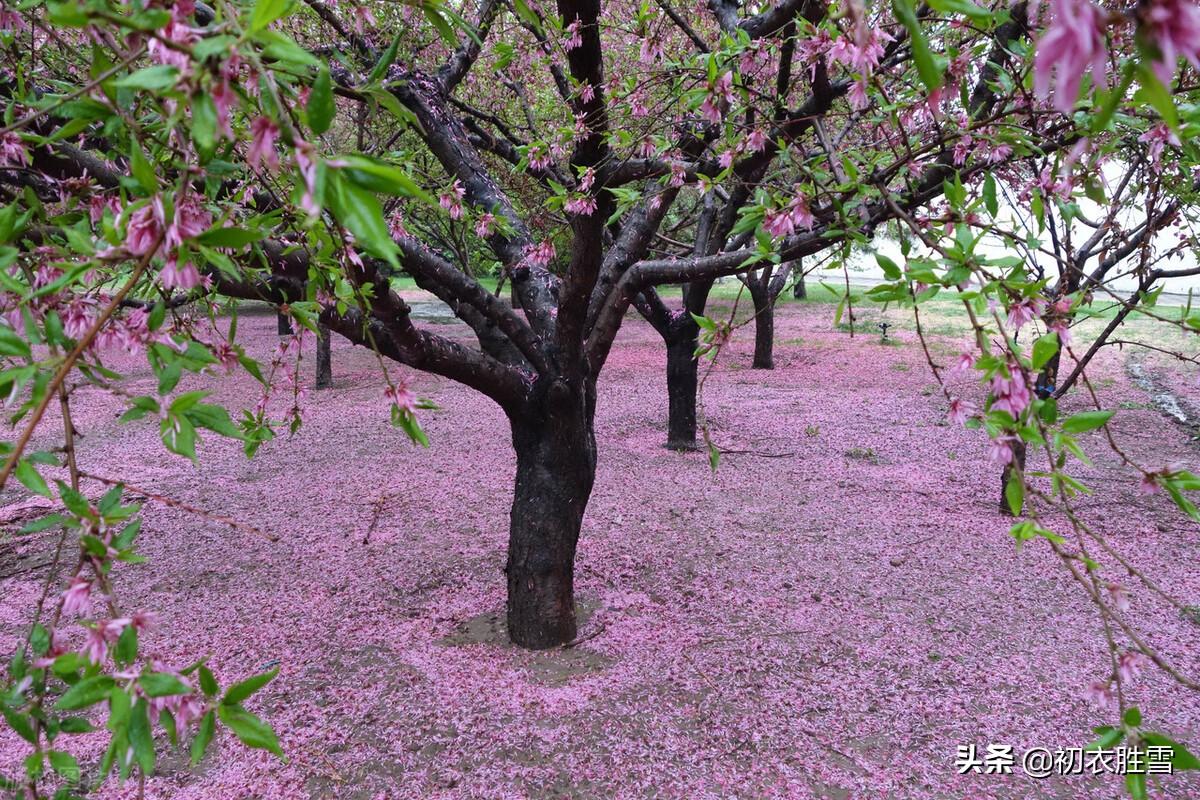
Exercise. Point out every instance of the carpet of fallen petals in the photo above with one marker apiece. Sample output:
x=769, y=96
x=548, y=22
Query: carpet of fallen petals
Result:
x=829, y=615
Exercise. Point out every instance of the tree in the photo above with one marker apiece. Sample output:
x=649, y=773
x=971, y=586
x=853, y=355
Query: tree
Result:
x=586, y=156
x=540, y=355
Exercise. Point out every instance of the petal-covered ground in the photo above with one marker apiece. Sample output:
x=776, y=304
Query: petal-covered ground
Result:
x=829, y=615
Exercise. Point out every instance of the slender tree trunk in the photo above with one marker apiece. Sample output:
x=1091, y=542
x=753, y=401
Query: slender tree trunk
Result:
x=682, y=380
x=764, y=327
x=324, y=360
x=799, y=290
x=283, y=325
x=556, y=466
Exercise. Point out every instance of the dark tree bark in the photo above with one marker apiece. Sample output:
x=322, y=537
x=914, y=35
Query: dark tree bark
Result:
x=556, y=466
x=764, y=327
x=324, y=360
x=283, y=325
x=682, y=381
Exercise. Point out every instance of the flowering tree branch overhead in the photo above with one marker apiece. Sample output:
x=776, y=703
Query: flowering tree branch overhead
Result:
x=540, y=169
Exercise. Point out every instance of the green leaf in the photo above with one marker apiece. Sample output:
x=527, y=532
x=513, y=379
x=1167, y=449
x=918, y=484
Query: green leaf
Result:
x=1135, y=784
x=12, y=345
x=377, y=176
x=265, y=12
x=204, y=123
x=204, y=735
x=1109, y=738
x=1086, y=421
x=251, y=730
x=230, y=237
x=384, y=61
x=989, y=195
x=87, y=692
x=1181, y=758
x=964, y=7
x=320, y=102
x=162, y=684
x=1014, y=493
x=141, y=738
x=64, y=764
x=891, y=270
x=240, y=691
x=1152, y=92
x=362, y=215
x=1044, y=349
x=1132, y=717
x=31, y=479
x=127, y=646
x=927, y=65
x=208, y=684
x=21, y=724
x=149, y=78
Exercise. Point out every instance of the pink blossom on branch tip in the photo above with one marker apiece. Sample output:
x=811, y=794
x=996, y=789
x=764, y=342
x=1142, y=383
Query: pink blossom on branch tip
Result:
x=1072, y=45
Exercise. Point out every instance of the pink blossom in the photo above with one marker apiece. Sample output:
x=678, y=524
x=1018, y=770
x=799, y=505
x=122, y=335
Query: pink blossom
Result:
x=78, y=316
x=12, y=151
x=263, y=133
x=396, y=225
x=77, y=598
x=1157, y=138
x=798, y=212
x=305, y=156
x=583, y=205
x=224, y=99
x=710, y=110
x=539, y=158
x=174, y=275
x=1062, y=329
x=651, y=50
x=857, y=95
x=541, y=254
x=145, y=228
x=1175, y=28
x=401, y=397
x=1129, y=666
x=363, y=16
x=98, y=204
x=778, y=223
x=1100, y=693
x=191, y=219
x=1025, y=310
x=1000, y=450
x=755, y=141
x=176, y=31
x=95, y=646
x=485, y=225
x=1070, y=46
x=1118, y=595
x=574, y=38
x=1011, y=394
x=961, y=410
x=964, y=363
x=451, y=201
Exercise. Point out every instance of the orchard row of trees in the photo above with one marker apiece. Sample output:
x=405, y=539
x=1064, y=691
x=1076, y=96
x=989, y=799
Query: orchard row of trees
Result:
x=543, y=168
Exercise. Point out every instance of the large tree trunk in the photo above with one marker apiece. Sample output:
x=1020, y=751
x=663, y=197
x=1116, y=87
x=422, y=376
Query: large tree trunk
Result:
x=682, y=370
x=556, y=465
x=764, y=327
x=324, y=359
x=283, y=324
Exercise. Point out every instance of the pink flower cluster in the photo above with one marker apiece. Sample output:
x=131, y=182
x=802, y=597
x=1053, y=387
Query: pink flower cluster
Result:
x=780, y=223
